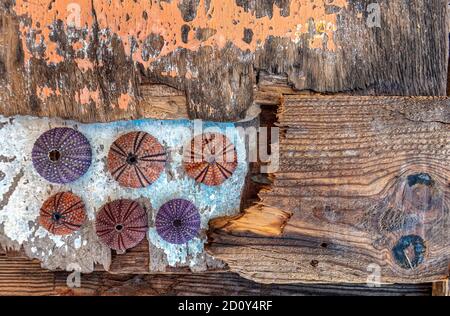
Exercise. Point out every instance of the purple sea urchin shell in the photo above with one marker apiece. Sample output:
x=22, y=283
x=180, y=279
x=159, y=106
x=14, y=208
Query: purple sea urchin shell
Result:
x=121, y=224
x=178, y=221
x=61, y=155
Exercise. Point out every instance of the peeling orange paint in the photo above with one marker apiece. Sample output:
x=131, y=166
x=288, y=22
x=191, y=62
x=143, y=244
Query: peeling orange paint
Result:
x=84, y=96
x=84, y=64
x=316, y=42
x=124, y=101
x=172, y=73
x=227, y=21
x=43, y=15
x=77, y=46
x=43, y=93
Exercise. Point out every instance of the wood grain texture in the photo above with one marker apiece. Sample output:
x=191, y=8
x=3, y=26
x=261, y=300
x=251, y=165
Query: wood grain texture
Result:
x=257, y=219
x=441, y=288
x=213, y=53
x=367, y=181
x=20, y=276
x=135, y=260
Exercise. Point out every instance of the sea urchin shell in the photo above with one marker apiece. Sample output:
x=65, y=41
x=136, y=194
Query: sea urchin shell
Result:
x=178, y=221
x=62, y=213
x=121, y=224
x=210, y=159
x=136, y=159
x=61, y=155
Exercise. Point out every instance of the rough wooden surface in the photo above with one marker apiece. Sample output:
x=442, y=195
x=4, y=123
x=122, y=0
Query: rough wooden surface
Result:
x=366, y=179
x=20, y=276
x=258, y=219
x=441, y=288
x=95, y=66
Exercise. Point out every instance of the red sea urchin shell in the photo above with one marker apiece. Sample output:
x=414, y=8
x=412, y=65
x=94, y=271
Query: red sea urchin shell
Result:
x=62, y=213
x=210, y=159
x=121, y=224
x=136, y=159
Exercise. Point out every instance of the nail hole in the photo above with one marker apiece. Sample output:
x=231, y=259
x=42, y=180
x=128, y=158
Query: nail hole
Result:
x=314, y=263
x=324, y=245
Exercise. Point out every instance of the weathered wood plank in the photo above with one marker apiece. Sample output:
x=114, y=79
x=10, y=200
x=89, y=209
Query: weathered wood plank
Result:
x=221, y=284
x=367, y=182
x=441, y=288
x=136, y=260
x=91, y=60
x=20, y=276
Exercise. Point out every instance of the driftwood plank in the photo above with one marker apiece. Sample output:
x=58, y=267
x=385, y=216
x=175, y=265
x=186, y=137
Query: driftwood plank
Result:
x=91, y=60
x=20, y=276
x=136, y=260
x=367, y=182
x=441, y=288
x=220, y=284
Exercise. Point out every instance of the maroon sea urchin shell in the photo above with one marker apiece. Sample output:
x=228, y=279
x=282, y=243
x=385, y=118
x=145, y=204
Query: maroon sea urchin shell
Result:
x=210, y=159
x=61, y=155
x=136, y=159
x=62, y=213
x=178, y=221
x=121, y=224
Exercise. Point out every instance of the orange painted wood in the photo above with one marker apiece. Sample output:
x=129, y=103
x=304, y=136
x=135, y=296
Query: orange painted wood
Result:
x=92, y=60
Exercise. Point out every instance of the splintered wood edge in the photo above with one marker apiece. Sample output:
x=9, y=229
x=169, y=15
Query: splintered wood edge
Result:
x=258, y=219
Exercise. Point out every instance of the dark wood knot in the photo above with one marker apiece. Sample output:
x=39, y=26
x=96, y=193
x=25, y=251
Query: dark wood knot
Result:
x=419, y=192
x=409, y=251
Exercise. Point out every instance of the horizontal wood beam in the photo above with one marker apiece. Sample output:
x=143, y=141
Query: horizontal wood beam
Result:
x=91, y=60
x=20, y=276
